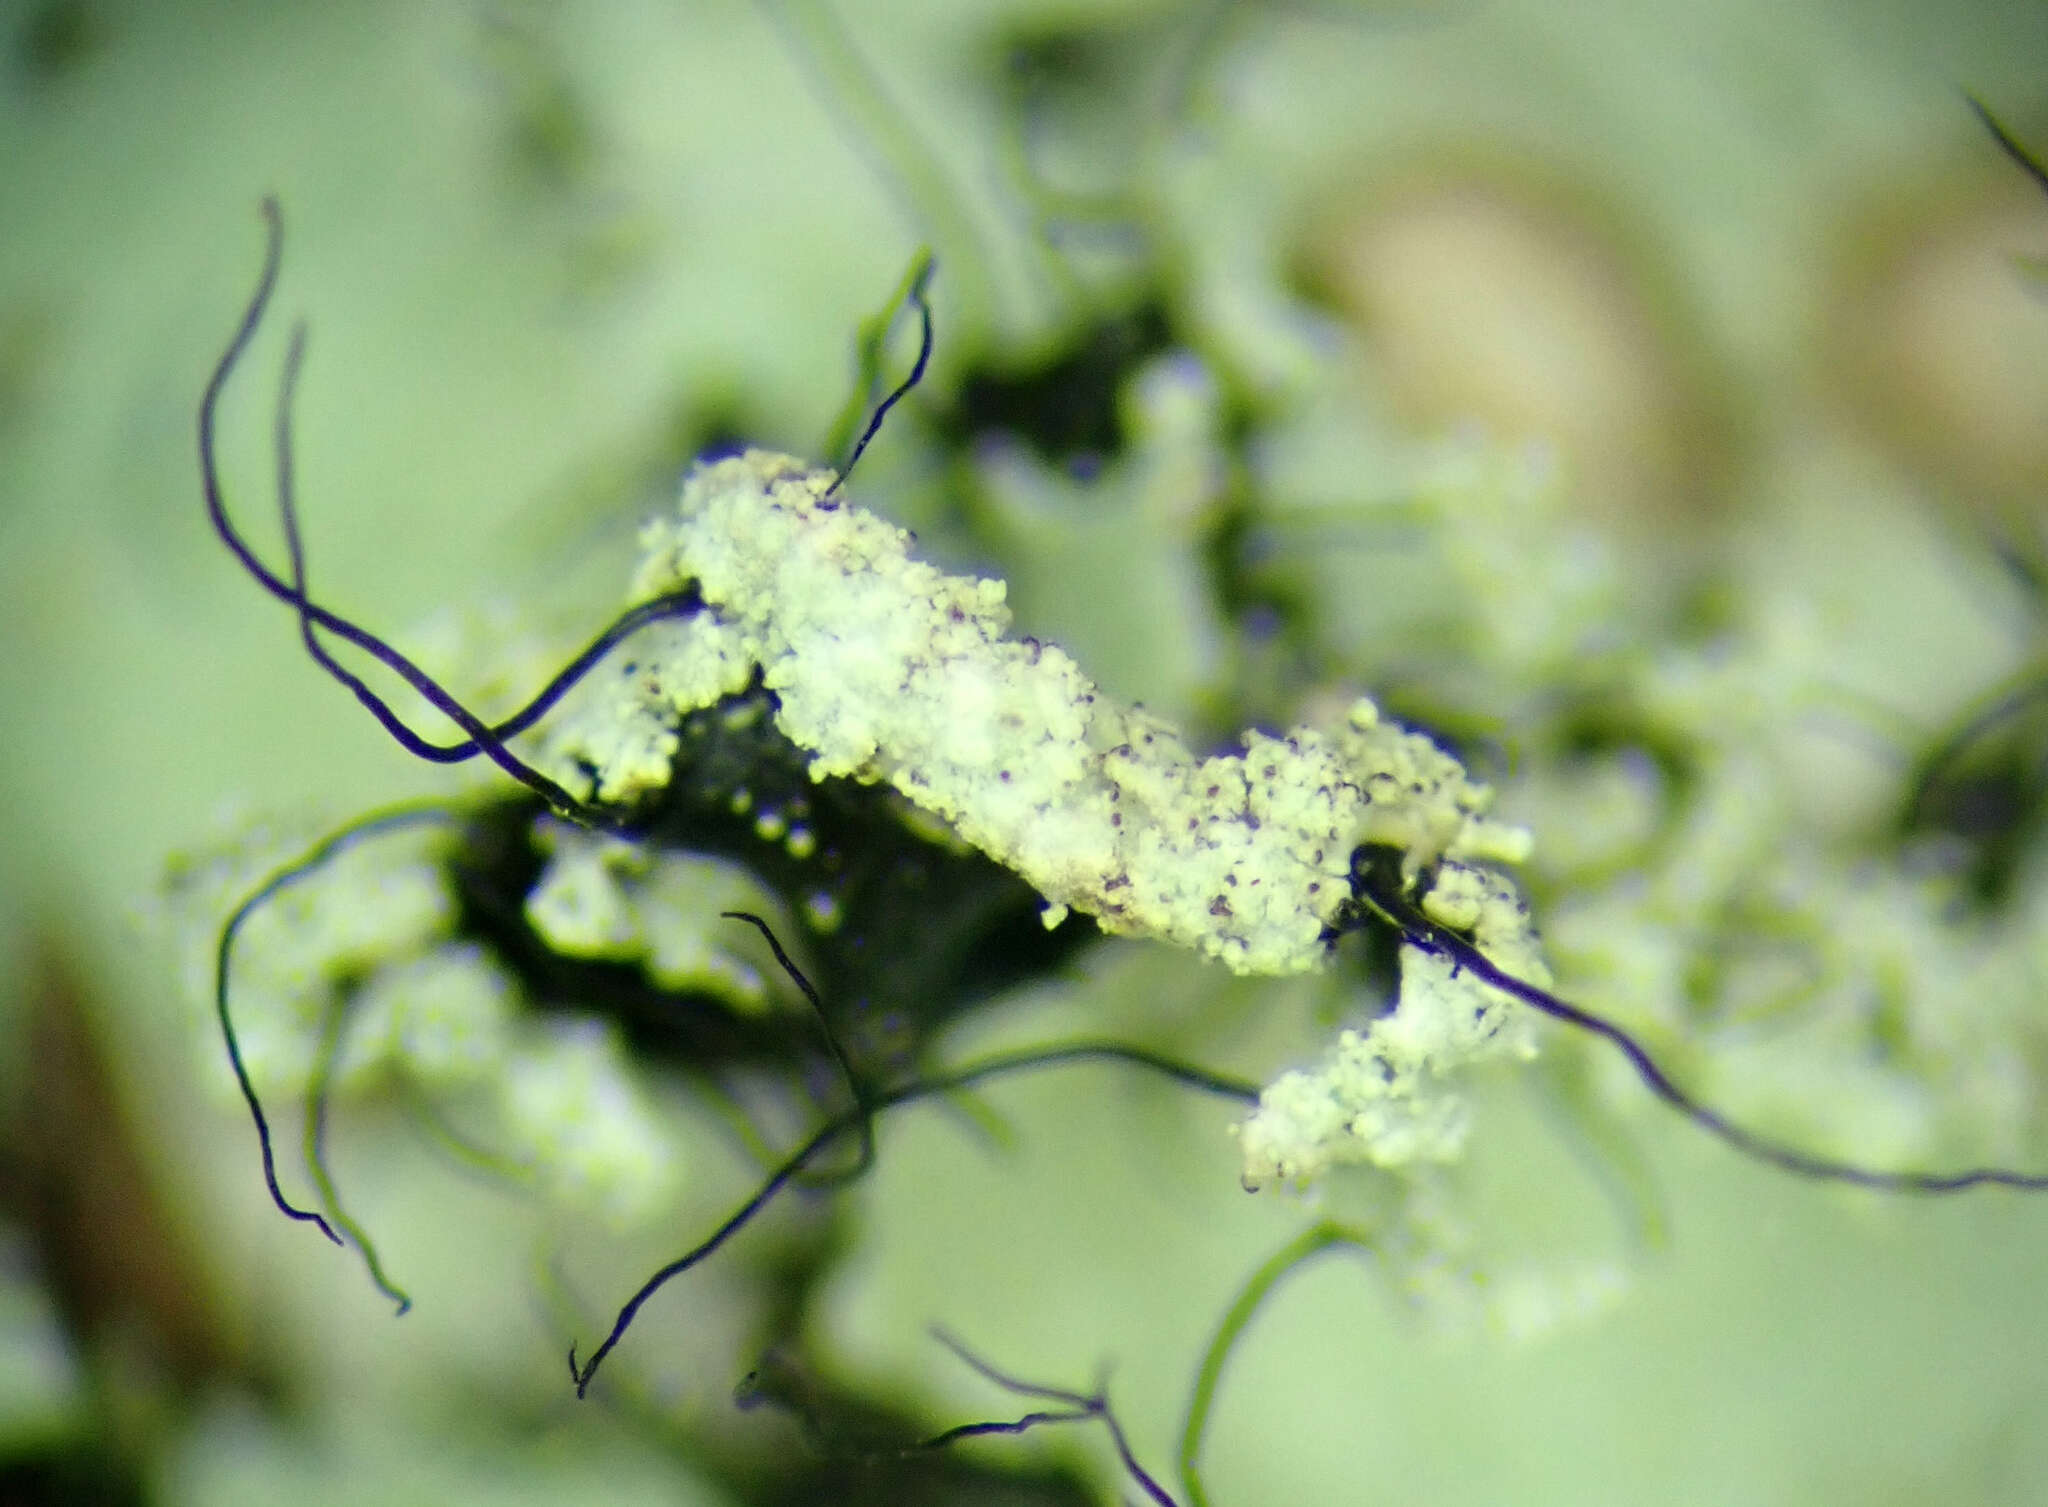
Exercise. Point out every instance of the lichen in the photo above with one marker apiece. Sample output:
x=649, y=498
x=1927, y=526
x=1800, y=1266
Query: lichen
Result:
x=604, y=897
x=374, y=934
x=886, y=669
x=575, y=1111
x=1381, y=1094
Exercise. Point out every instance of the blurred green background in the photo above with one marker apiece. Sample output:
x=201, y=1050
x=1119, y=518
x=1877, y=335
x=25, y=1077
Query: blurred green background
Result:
x=1751, y=271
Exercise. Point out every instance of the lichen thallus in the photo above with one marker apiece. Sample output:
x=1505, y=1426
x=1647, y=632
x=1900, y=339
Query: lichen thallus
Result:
x=920, y=924
x=927, y=927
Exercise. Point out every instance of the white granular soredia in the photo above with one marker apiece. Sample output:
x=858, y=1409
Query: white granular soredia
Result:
x=1381, y=1095
x=886, y=669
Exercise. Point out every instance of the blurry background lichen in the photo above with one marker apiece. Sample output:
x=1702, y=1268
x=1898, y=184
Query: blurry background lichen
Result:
x=1651, y=398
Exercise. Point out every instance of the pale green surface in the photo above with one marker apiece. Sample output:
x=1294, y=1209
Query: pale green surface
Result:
x=493, y=359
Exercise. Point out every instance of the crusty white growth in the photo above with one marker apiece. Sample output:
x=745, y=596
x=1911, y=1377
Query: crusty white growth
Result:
x=603, y=897
x=887, y=669
x=1379, y=1095
x=618, y=740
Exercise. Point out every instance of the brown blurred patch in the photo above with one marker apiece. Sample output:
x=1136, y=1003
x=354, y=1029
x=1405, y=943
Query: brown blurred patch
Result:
x=1936, y=341
x=1491, y=291
x=130, y=1290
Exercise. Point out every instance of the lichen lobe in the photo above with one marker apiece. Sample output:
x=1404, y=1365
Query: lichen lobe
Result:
x=887, y=669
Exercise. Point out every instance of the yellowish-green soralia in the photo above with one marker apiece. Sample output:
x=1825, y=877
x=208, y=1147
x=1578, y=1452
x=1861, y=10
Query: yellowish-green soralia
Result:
x=886, y=669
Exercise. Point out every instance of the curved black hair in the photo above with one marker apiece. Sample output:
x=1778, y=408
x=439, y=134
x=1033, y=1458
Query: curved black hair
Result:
x=2028, y=163
x=374, y=825
x=1378, y=889
x=488, y=740
x=859, y=1118
x=915, y=293
x=1069, y=1407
